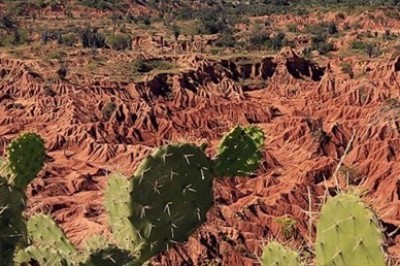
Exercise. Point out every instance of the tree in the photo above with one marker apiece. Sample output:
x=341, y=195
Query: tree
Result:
x=258, y=37
x=176, y=31
x=62, y=72
x=277, y=41
x=332, y=28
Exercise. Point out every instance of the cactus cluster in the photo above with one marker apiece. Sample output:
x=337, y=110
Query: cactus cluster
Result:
x=25, y=158
x=170, y=193
x=162, y=204
x=348, y=233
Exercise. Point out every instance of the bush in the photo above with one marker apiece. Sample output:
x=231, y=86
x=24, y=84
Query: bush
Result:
x=358, y=45
x=258, y=37
x=92, y=39
x=104, y=4
x=176, y=31
x=332, y=28
x=142, y=66
x=108, y=110
x=277, y=41
x=347, y=69
x=120, y=41
x=292, y=27
x=7, y=22
x=318, y=42
x=226, y=40
x=69, y=39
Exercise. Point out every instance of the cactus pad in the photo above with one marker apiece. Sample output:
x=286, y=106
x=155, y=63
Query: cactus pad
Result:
x=45, y=256
x=348, y=233
x=171, y=195
x=45, y=233
x=26, y=156
x=239, y=152
x=12, y=225
x=118, y=205
x=274, y=254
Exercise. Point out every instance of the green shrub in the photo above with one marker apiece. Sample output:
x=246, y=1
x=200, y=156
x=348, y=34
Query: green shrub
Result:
x=144, y=66
x=69, y=39
x=347, y=69
x=108, y=110
x=104, y=4
x=226, y=40
x=319, y=43
x=291, y=27
x=92, y=39
x=277, y=41
x=119, y=41
x=358, y=45
x=258, y=37
x=15, y=38
x=332, y=28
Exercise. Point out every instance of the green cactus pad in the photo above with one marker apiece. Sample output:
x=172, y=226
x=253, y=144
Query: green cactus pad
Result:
x=26, y=156
x=45, y=233
x=274, y=254
x=45, y=256
x=12, y=224
x=171, y=195
x=348, y=233
x=109, y=256
x=239, y=152
x=118, y=205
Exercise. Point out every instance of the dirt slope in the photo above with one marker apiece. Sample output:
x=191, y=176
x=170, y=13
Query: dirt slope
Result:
x=308, y=112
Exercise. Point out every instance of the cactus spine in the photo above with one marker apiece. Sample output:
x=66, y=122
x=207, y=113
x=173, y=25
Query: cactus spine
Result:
x=26, y=150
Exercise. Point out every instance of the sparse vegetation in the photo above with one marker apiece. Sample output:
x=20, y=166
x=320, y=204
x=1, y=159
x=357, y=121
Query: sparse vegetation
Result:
x=119, y=41
x=347, y=69
x=288, y=226
x=108, y=109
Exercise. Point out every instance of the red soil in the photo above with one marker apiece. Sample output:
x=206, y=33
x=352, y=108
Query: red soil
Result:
x=299, y=97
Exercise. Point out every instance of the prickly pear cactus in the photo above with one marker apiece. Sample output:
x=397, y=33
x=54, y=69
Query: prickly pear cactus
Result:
x=274, y=254
x=118, y=203
x=12, y=224
x=46, y=235
x=239, y=152
x=26, y=155
x=25, y=151
x=171, y=195
x=348, y=233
